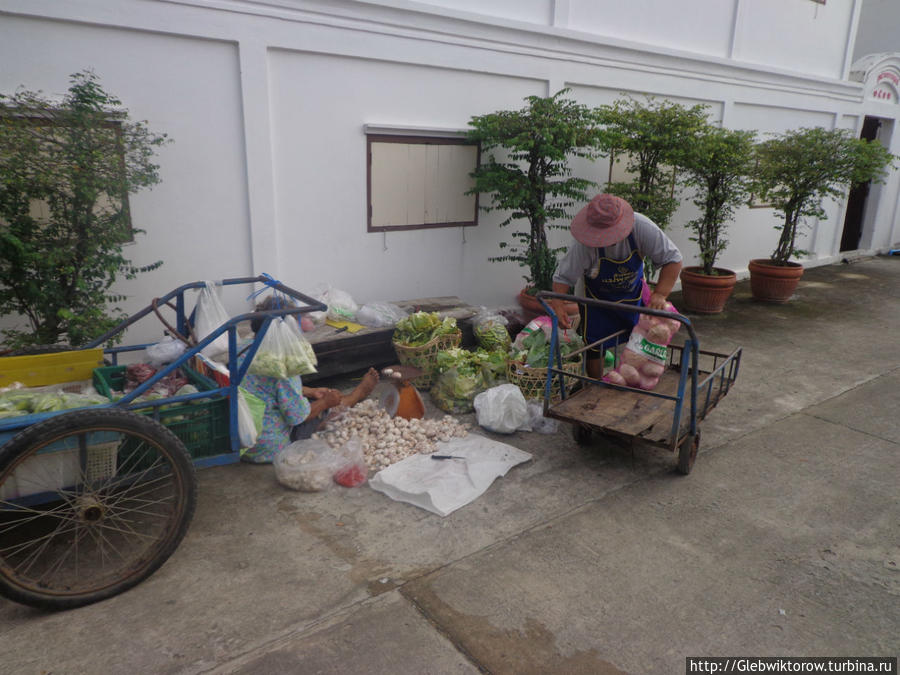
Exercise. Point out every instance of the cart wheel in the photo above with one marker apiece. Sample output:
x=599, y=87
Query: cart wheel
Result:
x=687, y=453
x=92, y=502
x=581, y=434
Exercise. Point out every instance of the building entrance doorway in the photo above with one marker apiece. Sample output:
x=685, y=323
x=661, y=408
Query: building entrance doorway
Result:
x=859, y=195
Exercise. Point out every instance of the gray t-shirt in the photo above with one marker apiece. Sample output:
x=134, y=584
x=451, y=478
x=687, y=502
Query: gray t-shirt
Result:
x=651, y=242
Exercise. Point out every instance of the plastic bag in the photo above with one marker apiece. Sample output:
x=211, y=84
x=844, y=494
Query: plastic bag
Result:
x=502, y=409
x=454, y=392
x=643, y=360
x=311, y=465
x=165, y=351
x=352, y=470
x=210, y=314
x=251, y=410
x=490, y=330
x=537, y=421
x=284, y=352
x=380, y=314
x=307, y=465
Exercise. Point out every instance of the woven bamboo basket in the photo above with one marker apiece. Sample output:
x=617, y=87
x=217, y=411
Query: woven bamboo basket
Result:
x=425, y=356
x=532, y=381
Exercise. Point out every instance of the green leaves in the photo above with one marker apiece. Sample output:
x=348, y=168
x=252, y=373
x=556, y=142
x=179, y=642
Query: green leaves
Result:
x=652, y=134
x=798, y=169
x=525, y=171
x=66, y=170
x=717, y=163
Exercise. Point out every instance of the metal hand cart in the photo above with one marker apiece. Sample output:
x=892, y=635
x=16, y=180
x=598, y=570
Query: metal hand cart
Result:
x=693, y=382
x=94, y=500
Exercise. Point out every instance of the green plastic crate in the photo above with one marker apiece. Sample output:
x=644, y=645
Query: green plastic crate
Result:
x=202, y=424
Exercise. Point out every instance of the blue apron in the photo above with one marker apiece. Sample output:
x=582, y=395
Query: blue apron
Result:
x=614, y=281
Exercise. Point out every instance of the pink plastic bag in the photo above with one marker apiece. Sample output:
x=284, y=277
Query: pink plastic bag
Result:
x=643, y=360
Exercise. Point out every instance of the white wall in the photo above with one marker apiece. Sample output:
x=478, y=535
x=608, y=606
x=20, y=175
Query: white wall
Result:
x=879, y=28
x=266, y=105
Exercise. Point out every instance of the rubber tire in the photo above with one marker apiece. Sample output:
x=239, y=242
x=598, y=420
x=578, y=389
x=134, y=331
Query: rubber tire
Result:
x=115, y=420
x=583, y=435
x=687, y=454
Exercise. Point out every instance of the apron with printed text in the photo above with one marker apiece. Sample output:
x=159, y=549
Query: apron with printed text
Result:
x=612, y=280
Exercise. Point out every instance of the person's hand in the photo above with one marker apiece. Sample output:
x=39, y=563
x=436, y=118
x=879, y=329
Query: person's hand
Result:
x=314, y=392
x=332, y=398
x=658, y=301
x=559, y=309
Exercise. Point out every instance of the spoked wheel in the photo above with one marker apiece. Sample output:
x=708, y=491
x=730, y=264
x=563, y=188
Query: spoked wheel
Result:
x=91, y=503
x=687, y=453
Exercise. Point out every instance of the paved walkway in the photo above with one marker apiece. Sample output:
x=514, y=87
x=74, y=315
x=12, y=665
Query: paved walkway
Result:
x=785, y=540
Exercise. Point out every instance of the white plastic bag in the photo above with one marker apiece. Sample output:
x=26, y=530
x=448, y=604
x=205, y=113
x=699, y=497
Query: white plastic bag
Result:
x=502, y=409
x=165, y=351
x=379, y=314
x=341, y=306
x=251, y=410
x=284, y=352
x=537, y=421
x=443, y=486
x=209, y=315
x=307, y=465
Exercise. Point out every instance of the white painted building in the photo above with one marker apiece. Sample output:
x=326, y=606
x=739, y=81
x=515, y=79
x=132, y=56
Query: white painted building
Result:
x=269, y=102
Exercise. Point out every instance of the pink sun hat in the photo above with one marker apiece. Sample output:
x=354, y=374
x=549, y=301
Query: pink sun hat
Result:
x=604, y=221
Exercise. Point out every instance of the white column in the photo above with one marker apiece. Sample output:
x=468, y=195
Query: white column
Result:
x=258, y=149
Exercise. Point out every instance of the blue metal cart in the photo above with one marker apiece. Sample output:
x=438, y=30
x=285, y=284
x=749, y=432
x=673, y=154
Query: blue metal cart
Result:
x=94, y=500
x=669, y=416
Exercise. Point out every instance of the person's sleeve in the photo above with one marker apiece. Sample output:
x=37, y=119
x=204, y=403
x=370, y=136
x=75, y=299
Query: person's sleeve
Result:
x=573, y=264
x=294, y=406
x=654, y=243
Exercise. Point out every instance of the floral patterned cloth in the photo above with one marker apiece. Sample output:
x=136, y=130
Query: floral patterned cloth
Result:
x=286, y=406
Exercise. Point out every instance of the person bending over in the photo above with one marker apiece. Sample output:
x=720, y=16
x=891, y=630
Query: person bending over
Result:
x=609, y=243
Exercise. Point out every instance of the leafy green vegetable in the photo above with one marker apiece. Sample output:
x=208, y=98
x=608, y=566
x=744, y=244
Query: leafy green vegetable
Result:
x=463, y=375
x=535, y=350
x=420, y=328
x=492, y=335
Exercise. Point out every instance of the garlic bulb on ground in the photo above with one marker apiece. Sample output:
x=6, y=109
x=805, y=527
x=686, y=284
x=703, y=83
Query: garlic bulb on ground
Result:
x=385, y=439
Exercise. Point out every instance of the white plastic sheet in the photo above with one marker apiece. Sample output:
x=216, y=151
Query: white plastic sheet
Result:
x=443, y=486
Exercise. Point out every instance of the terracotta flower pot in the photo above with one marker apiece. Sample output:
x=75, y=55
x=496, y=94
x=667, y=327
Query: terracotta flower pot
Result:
x=703, y=293
x=774, y=283
x=531, y=304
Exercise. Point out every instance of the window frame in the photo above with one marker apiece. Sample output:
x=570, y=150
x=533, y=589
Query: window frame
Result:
x=417, y=137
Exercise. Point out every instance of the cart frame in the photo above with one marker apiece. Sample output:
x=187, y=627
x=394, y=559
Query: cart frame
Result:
x=703, y=378
x=183, y=321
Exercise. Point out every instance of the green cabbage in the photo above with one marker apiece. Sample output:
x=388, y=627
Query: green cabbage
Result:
x=420, y=328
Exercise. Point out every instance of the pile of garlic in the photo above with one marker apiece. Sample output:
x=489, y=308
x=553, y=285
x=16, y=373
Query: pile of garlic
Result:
x=387, y=439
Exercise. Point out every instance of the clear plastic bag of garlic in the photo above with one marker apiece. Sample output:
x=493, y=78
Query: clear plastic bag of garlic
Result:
x=387, y=439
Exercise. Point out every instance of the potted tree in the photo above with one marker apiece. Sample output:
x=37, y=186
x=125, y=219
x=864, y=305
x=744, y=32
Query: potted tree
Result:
x=650, y=135
x=716, y=163
x=525, y=171
x=66, y=170
x=796, y=171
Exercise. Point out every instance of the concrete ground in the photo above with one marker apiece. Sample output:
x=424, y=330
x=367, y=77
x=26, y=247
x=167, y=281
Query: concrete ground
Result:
x=785, y=540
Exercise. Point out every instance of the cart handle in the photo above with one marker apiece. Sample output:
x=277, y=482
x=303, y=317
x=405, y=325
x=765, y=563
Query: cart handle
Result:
x=311, y=304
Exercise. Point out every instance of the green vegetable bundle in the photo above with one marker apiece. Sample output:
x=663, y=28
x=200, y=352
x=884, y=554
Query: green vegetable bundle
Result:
x=492, y=335
x=535, y=350
x=421, y=328
x=284, y=352
x=20, y=402
x=463, y=375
